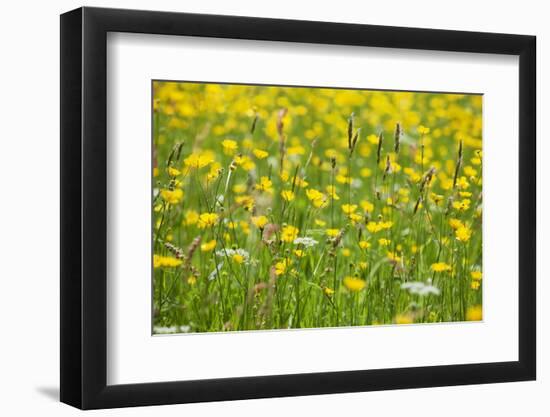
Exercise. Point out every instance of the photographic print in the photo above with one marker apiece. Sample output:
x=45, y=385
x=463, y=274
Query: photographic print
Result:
x=288, y=207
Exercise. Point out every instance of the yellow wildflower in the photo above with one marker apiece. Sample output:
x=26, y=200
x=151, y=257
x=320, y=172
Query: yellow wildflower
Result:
x=423, y=130
x=328, y=291
x=239, y=188
x=463, y=234
x=332, y=232
x=207, y=220
x=373, y=139
x=462, y=205
x=265, y=185
x=229, y=146
x=404, y=319
x=331, y=191
x=384, y=242
x=282, y=266
x=260, y=154
x=365, y=172
x=477, y=275
x=208, y=246
x=349, y=208
x=172, y=196
x=287, y=195
x=354, y=284
x=455, y=224
x=259, y=221
x=440, y=267
x=367, y=206
x=198, y=160
x=474, y=313
x=363, y=244
x=173, y=172
x=316, y=197
x=246, y=201
x=160, y=261
x=394, y=257
x=244, y=162
x=289, y=233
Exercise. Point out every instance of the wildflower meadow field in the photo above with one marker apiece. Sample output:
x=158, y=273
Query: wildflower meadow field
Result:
x=290, y=207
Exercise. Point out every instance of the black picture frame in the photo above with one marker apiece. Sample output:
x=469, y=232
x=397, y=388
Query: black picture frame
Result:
x=84, y=207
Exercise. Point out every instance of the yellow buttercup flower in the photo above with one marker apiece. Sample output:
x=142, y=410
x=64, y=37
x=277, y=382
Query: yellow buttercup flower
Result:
x=191, y=217
x=260, y=154
x=173, y=172
x=331, y=191
x=354, y=284
x=282, y=266
x=332, y=232
x=287, y=195
x=349, y=208
x=404, y=319
x=328, y=291
x=423, y=130
x=373, y=139
x=367, y=206
x=245, y=162
x=198, y=160
x=474, y=313
x=172, y=196
x=462, y=205
x=440, y=267
x=363, y=244
x=229, y=146
x=394, y=257
x=246, y=201
x=289, y=233
x=463, y=234
x=239, y=188
x=365, y=172
x=259, y=221
x=455, y=224
x=316, y=197
x=166, y=261
x=207, y=220
x=208, y=246
x=476, y=275
x=265, y=184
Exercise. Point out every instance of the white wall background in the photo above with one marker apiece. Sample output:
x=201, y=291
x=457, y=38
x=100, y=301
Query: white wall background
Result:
x=29, y=219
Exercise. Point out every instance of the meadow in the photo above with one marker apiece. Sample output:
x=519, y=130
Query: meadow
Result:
x=289, y=207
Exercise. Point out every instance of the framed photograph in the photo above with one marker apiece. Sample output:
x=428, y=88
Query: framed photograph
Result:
x=257, y=208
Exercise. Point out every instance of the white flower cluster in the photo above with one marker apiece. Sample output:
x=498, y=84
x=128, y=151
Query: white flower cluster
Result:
x=420, y=288
x=171, y=329
x=308, y=242
x=230, y=252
